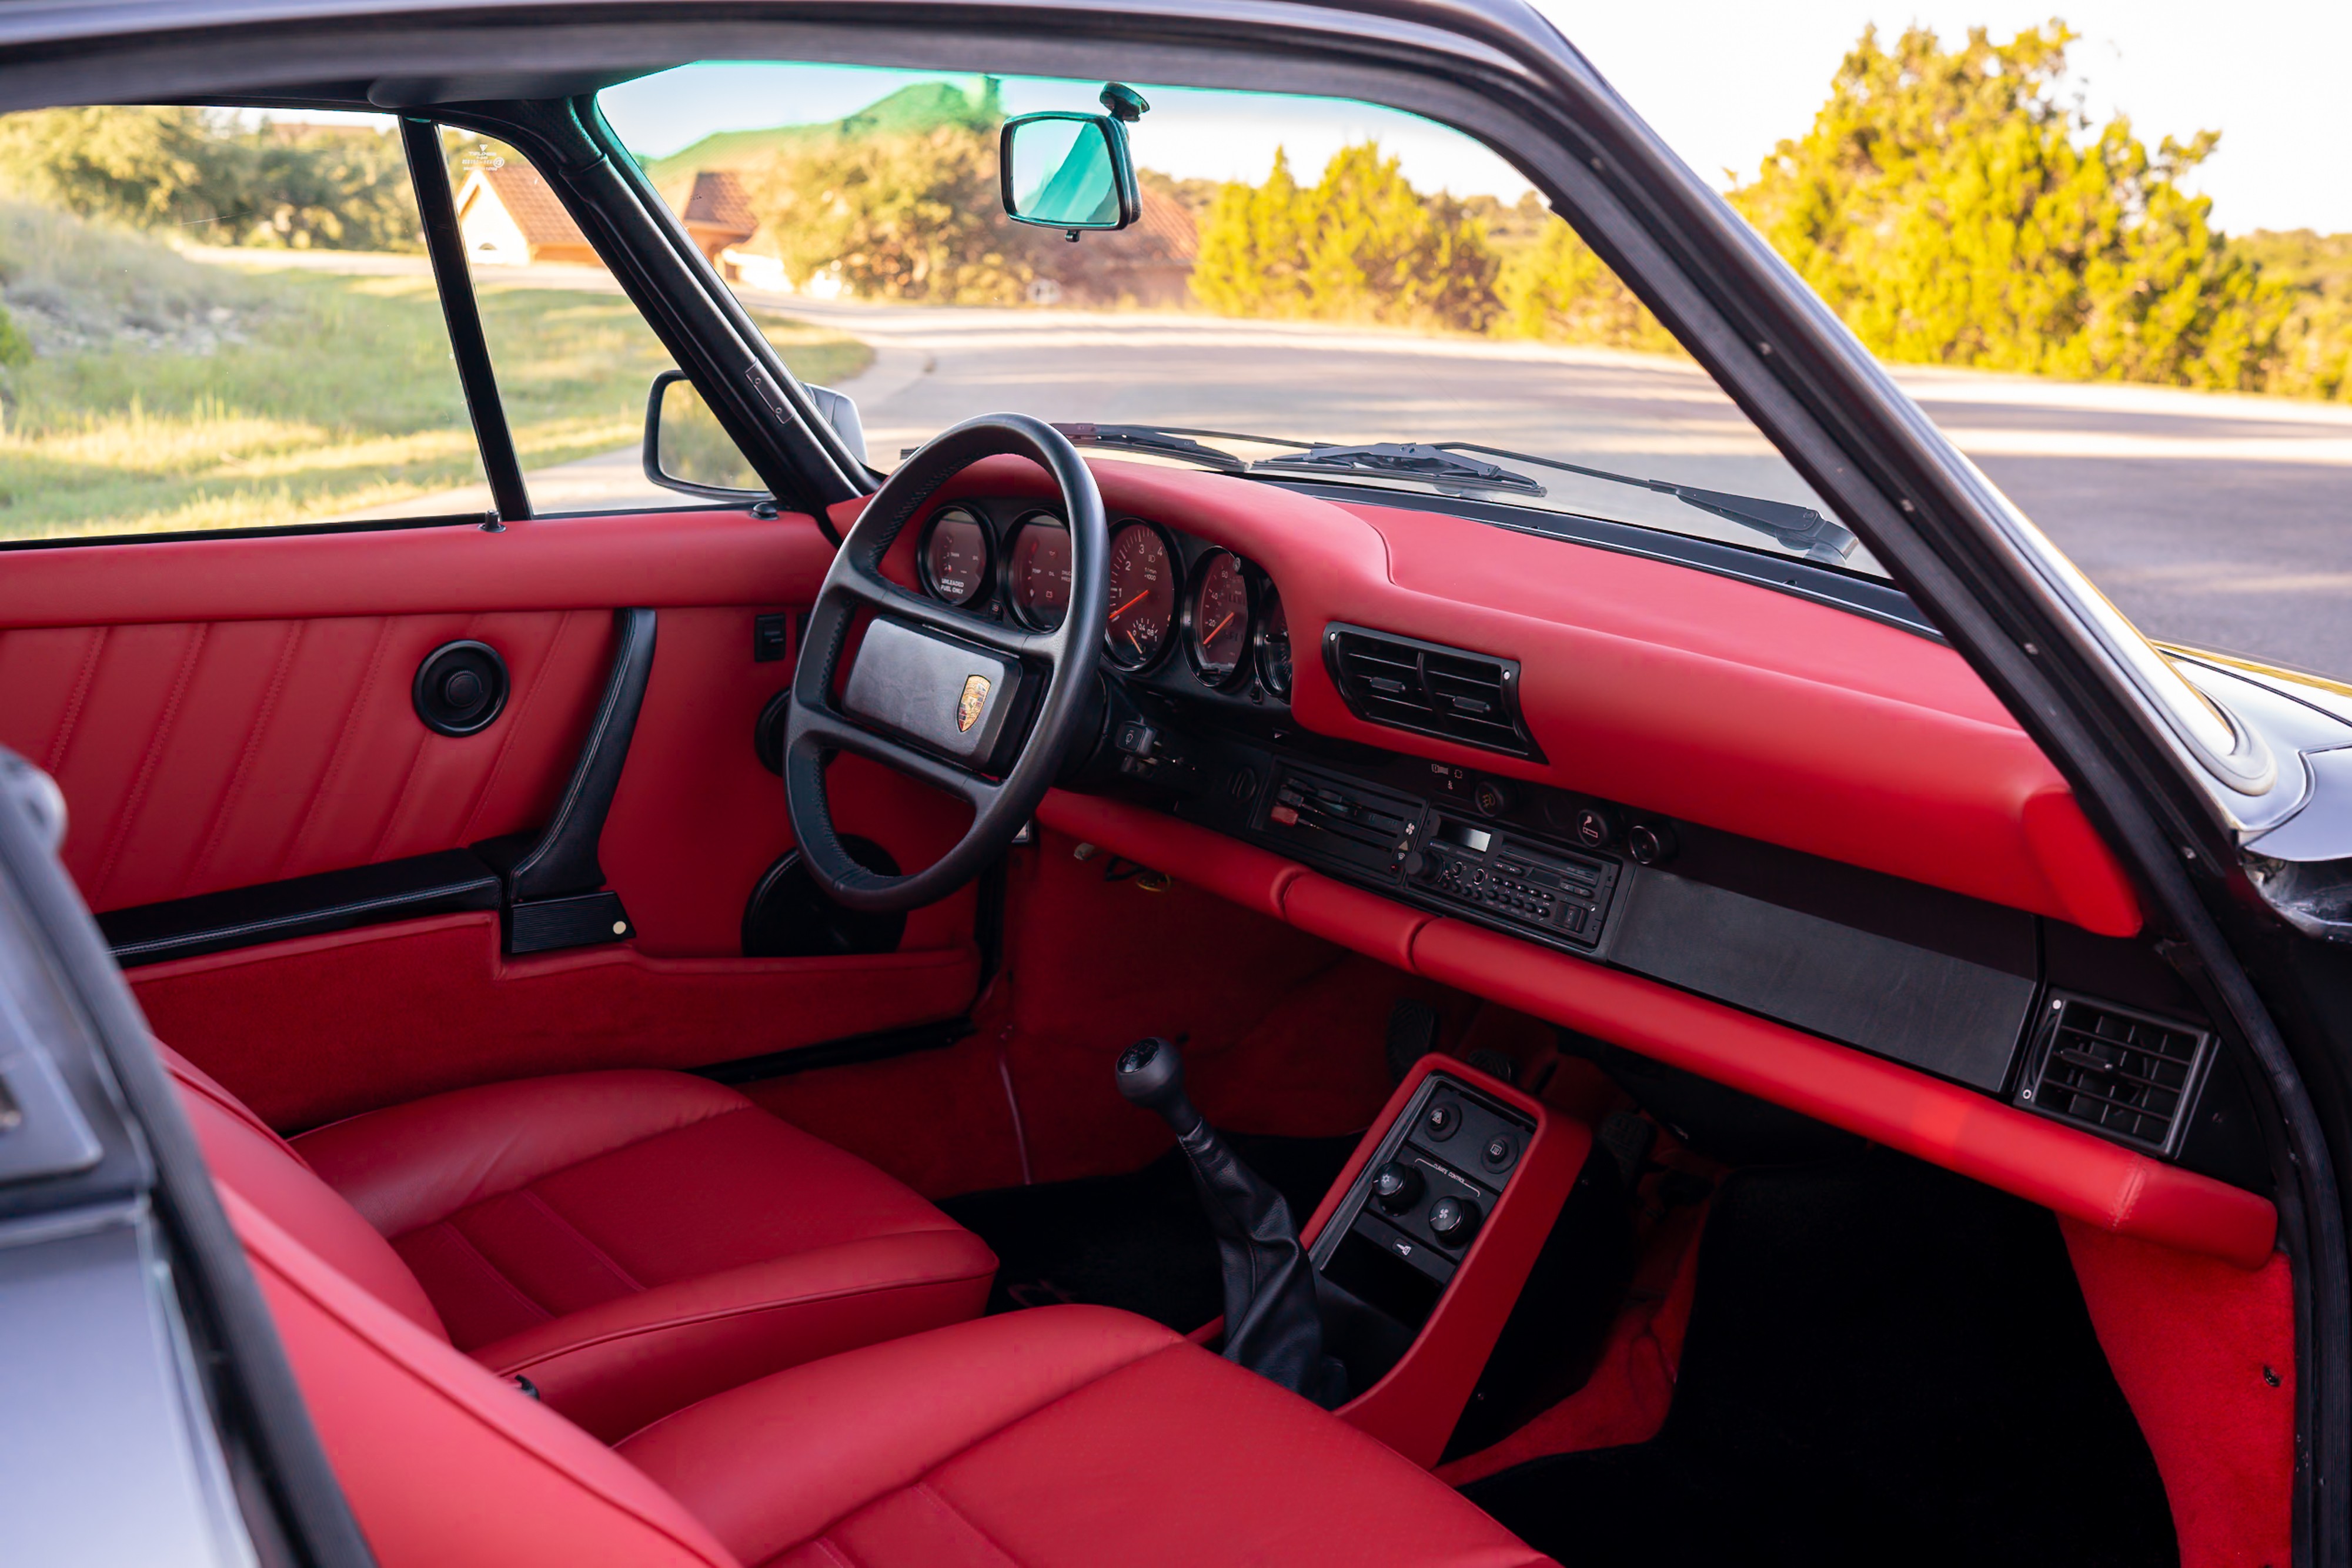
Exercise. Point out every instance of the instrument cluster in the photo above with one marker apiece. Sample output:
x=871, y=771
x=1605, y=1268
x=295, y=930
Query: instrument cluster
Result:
x=1167, y=592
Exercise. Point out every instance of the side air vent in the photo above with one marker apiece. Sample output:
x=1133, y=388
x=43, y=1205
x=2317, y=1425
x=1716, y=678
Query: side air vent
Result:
x=2119, y=1073
x=1430, y=689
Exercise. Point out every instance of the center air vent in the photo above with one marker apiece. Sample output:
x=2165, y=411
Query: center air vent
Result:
x=1430, y=689
x=2119, y=1073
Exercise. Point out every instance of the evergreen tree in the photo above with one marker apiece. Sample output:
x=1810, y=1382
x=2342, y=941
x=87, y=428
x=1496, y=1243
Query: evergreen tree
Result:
x=1944, y=207
x=1361, y=244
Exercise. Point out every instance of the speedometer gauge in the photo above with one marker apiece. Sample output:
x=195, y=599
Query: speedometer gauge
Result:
x=1142, y=596
x=955, y=556
x=1221, y=623
x=1038, y=571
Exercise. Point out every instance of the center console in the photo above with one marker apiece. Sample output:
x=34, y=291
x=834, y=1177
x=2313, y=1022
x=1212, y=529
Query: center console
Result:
x=1427, y=1241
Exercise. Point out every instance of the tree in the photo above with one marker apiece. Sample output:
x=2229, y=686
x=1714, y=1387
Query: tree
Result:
x=1360, y=245
x=1557, y=288
x=913, y=216
x=1944, y=207
x=211, y=179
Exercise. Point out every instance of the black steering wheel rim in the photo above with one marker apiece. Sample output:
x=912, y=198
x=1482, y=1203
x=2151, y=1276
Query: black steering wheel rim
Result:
x=816, y=729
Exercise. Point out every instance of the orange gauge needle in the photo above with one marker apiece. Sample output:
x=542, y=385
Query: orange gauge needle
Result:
x=1219, y=627
x=1133, y=641
x=1130, y=604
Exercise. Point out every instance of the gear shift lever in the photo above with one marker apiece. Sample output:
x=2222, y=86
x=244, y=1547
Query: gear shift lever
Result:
x=1272, y=1325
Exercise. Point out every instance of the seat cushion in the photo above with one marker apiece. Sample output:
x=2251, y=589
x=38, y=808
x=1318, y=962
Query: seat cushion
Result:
x=632, y=1241
x=1064, y=1436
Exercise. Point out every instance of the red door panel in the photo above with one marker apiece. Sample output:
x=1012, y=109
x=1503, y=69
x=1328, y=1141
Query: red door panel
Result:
x=200, y=755
x=228, y=712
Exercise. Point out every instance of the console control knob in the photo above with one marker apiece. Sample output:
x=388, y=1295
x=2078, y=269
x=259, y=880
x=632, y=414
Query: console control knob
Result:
x=1396, y=1187
x=1490, y=796
x=1441, y=1120
x=1651, y=843
x=1454, y=1221
x=1415, y=862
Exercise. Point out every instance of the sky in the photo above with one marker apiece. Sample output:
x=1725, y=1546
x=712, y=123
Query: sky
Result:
x=1722, y=81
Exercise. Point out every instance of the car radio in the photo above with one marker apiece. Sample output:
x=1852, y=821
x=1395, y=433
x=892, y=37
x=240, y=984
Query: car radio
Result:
x=1563, y=894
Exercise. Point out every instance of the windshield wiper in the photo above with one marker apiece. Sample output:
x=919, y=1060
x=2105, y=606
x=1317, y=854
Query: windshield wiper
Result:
x=1792, y=526
x=1159, y=443
x=1437, y=465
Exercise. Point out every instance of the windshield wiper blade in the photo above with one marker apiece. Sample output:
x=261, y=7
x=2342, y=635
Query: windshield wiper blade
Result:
x=1792, y=526
x=1439, y=465
x=1157, y=443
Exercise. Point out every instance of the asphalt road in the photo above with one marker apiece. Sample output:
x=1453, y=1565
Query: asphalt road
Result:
x=2223, y=522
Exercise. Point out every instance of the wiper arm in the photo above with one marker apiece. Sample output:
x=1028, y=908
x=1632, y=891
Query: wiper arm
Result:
x=1790, y=526
x=1437, y=465
x=1157, y=443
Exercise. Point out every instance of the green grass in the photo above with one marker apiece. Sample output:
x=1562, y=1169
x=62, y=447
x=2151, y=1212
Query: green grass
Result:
x=172, y=396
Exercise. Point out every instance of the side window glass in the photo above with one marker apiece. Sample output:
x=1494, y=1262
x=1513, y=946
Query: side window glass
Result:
x=573, y=359
x=219, y=319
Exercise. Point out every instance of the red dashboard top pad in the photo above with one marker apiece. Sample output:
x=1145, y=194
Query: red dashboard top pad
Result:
x=1666, y=688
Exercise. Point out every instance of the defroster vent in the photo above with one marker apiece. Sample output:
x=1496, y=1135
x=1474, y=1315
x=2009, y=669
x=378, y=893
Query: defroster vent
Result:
x=1430, y=689
x=2122, y=1073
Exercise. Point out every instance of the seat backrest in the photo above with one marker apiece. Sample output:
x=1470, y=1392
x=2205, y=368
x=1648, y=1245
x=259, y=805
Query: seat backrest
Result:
x=264, y=1169
x=447, y=1465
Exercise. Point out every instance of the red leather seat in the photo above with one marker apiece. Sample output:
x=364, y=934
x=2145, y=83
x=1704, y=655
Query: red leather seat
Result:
x=1049, y=1438
x=628, y=1241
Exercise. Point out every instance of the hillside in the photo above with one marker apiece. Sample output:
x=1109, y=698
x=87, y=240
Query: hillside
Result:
x=924, y=106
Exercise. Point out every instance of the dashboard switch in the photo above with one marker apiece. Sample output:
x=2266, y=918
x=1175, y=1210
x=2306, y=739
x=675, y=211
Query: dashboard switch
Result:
x=1453, y=1222
x=1441, y=1120
x=1396, y=1187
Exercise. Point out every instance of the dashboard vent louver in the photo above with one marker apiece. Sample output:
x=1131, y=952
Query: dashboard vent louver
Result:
x=2119, y=1073
x=1430, y=689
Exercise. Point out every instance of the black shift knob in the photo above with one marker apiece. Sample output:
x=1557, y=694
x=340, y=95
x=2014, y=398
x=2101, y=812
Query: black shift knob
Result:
x=1151, y=1074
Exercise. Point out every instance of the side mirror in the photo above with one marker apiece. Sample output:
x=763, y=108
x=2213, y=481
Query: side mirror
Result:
x=687, y=448
x=1072, y=172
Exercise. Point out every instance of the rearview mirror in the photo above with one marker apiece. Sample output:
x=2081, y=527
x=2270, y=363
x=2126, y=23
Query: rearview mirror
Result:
x=1072, y=172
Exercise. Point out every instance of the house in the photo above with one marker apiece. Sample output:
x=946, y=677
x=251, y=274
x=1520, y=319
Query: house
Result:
x=715, y=213
x=509, y=217
x=1148, y=265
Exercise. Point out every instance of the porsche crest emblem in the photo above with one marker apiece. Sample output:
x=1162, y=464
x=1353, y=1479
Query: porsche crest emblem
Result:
x=974, y=698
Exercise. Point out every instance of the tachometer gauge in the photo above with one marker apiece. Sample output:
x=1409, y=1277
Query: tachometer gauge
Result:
x=955, y=556
x=1142, y=596
x=1220, y=620
x=1271, y=644
x=1038, y=571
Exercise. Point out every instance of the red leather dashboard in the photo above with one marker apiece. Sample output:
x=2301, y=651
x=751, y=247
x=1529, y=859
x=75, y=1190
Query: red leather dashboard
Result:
x=1669, y=689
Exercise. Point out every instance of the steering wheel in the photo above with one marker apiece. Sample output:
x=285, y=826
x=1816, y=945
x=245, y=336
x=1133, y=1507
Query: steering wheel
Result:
x=982, y=710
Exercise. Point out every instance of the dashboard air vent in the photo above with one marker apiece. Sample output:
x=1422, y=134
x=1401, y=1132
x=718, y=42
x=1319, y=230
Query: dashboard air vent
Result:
x=1430, y=689
x=2119, y=1073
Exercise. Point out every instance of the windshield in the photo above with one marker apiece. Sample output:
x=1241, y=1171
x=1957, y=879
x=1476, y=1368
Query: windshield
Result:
x=1312, y=285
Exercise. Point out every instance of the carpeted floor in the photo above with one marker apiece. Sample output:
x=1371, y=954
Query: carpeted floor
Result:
x=1885, y=1363
x=1139, y=1240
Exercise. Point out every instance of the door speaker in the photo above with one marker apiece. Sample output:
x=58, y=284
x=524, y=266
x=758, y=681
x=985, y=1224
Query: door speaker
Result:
x=460, y=688
x=789, y=917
